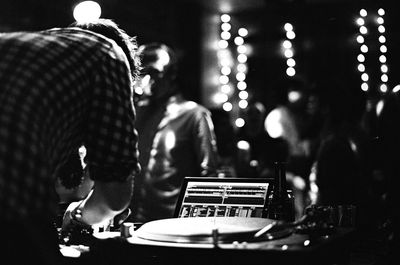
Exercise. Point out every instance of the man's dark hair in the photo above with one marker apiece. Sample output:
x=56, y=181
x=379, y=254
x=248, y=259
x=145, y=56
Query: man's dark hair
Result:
x=110, y=29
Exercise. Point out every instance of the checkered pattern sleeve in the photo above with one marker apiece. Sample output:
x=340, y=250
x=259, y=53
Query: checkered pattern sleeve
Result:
x=111, y=138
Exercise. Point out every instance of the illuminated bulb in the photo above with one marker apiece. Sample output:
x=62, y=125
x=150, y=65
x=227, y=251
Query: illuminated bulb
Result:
x=360, y=39
x=226, y=26
x=273, y=124
x=290, y=71
x=287, y=44
x=396, y=89
x=241, y=49
x=363, y=30
x=225, y=18
x=288, y=27
x=384, y=68
x=243, y=145
x=225, y=70
x=87, y=11
x=364, y=77
x=239, y=41
x=361, y=67
x=223, y=79
x=382, y=59
x=241, y=85
x=226, y=89
x=361, y=58
x=223, y=44
x=363, y=13
x=242, y=58
x=290, y=62
x=381, y=12
x=243, y=94
x=241, y=67
x=227, y=106
x=383, y=49
x=239, y=122
x=243, y=103
x=364, y=87
x=243, y=32
x=240, y=76
x=383, y=88
x=220, y=98
x=364, y=48
x=288, y=53
x=360, y=21
x=382, y=39
x=380, y=20
x=225, y=35
x=384, y=78
x=381, y=29
x=290, y=35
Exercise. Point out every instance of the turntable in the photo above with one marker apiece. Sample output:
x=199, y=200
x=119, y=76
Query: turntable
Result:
x=208, y=230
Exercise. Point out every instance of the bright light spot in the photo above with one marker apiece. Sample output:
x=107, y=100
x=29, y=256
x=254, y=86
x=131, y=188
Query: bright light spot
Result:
x=87, y=11
x=306, y=242
x=287, y=44
x=382, y=59
x=290, y=35
x=241, y=67
x=396, y=89
x=383, y=49
x=291, y=62
x=383, y=88
x=290, y=71
x=226, y=26
x=384, y=78
x=381, y=12
x=363, y=30
x=242, y=58
x=364, y=77
x=227, y=106
x=360, y=21
x=384, y=68
x=170, y=140
x=364, y=87
x=239, y=41
x=364, y=48
x=223, y=79
x=361, y=58
x=381, y=29
x=243, y=32
x=273, y=124
x=243, y=145
x=226, y=89
x=241, y=49
x=241, y=85
x=288, y=27
x=360, y=39
x=380, y=20
x=223, y=44
x=243, y=104
x=225, y=18
x=288, y=53
x=294, y=96
x=240, y=76
x=382, y=39
x=363, y=13
x=225, y=35
x=379, y=107
x=220, y=98
x=239, y=122
x=243, y=94
x=361, y=67
x=225, y=70
x=285, y=247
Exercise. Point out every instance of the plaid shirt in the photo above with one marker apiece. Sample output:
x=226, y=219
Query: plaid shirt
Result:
x=59, y=89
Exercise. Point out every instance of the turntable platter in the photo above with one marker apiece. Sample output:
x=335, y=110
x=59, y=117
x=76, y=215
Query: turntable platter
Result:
x=206, y=229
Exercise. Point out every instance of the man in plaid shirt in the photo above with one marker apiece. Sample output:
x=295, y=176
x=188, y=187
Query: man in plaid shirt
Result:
x=60, y=89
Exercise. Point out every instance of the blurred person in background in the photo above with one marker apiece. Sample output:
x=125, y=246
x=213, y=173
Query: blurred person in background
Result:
x=60, y=89
x=176, y=136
